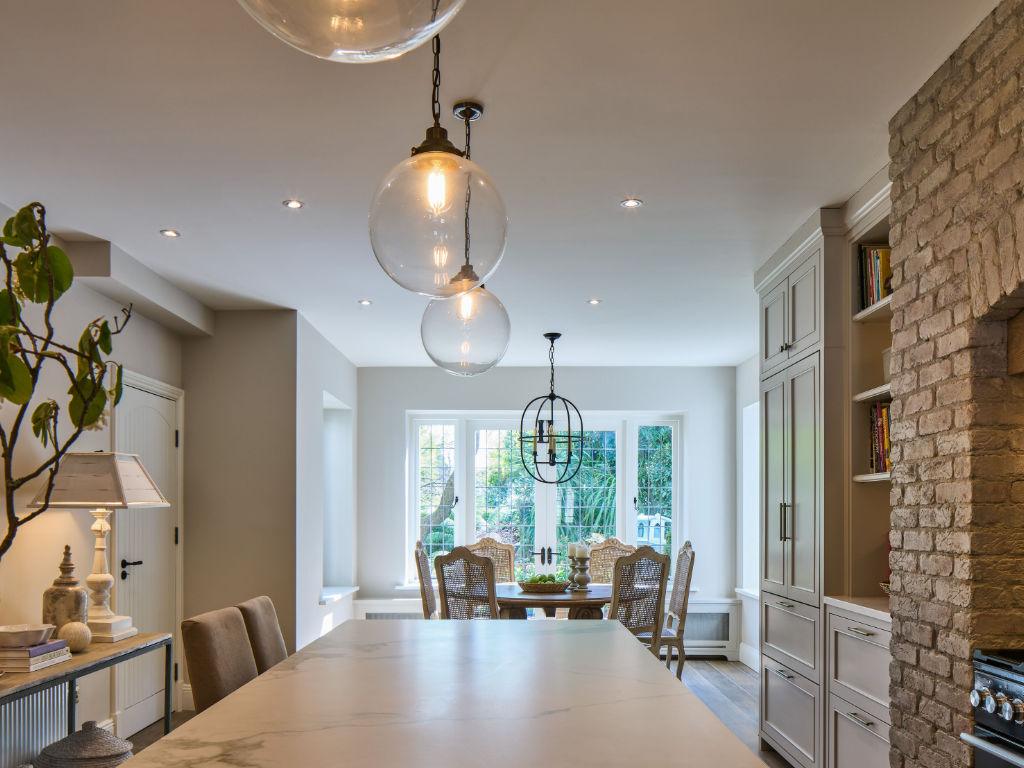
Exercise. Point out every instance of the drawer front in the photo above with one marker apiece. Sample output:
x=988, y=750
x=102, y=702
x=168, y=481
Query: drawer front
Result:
x=789, y=633
x=858, y=660
x=856, y=739
x=789, y=711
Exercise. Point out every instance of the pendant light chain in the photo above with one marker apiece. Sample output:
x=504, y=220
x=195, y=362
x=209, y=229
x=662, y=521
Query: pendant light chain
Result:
x=469, y=186
x=435, y=103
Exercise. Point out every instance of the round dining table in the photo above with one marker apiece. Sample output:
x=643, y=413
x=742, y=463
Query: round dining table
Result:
x=513, y=601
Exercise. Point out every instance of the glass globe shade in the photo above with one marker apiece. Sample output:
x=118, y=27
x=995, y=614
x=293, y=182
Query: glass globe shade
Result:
x=352, y=30
x=418, y=223
x=466, y=335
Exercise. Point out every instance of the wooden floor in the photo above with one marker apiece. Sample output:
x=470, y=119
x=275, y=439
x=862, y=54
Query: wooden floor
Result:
x=730, y=690
x=727, y=688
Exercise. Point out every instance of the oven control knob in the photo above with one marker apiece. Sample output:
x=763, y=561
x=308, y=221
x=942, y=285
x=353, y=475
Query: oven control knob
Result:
x=1012, y=711
x=979, y=695
x=995, y=703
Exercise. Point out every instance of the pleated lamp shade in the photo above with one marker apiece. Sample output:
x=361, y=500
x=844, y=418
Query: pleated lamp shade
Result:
x=101, y=480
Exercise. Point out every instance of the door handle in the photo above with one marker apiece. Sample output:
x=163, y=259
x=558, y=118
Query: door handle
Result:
x=783, y=674
x=782, y=520
x=859, y=720
x=859, y=631
x=126, y=563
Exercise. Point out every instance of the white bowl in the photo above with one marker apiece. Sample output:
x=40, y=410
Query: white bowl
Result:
x=17, y=635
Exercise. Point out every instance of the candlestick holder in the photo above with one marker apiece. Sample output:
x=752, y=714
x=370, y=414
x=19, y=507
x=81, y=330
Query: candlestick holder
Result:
x=581, y=574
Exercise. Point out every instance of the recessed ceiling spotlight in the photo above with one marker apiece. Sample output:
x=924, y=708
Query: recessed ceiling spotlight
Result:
x=631, y=202
x=293, y=204
x=365, y=302
x=593, y=302
x=170, y=233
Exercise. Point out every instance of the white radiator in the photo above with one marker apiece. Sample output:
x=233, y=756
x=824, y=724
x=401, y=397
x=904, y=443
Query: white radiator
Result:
x=29, y=724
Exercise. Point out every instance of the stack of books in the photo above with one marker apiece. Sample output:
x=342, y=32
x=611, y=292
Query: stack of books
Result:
x=32, y=657
x=875, y=274
x=880, y=461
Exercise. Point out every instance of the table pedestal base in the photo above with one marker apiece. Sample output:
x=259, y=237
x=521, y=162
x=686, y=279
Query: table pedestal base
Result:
x=585, y=612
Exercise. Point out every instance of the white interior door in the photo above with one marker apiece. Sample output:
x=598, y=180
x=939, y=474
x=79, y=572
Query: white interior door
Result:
x=146, y=424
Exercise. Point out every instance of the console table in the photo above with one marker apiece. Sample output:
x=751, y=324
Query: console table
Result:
x=18, y=685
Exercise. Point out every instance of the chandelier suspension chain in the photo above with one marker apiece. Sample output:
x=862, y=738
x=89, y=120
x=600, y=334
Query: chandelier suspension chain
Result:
x=551, y=359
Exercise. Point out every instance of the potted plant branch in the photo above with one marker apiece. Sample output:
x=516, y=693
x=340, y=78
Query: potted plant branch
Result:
x=35, y=278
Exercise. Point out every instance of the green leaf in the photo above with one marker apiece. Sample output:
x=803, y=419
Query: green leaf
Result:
x=19, y=391
x=17, y=242
x=80, y=416
x=117, y=384
x=25, y=225
x=42, y=421
x=9, y=227
x=60, y=268
x=104, y=339
x=10, y=308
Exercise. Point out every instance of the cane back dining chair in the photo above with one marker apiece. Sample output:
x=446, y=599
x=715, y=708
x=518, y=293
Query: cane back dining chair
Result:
x=503, y=555
x=672, y=635
x=264, y=632
x=466, y=585
x=638, y=592
x=426, y=583
x=218, y=655
x=603, y=557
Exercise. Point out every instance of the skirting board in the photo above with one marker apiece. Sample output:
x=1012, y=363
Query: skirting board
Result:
x=749, y=656
x=186, y=698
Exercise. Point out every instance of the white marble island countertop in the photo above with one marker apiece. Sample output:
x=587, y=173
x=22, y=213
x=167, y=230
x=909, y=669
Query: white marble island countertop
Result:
x=459, y=693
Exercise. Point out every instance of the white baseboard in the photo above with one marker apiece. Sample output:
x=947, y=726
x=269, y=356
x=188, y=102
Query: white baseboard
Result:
x=749, y=656
x=187, y=704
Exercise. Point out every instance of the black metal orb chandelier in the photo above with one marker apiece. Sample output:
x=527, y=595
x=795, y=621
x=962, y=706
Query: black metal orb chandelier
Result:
x=551, y=433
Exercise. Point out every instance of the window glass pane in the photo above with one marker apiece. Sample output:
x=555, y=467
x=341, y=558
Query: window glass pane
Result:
x=586, y=504
x=503, y=492
x=654, y=488
x=436, y=456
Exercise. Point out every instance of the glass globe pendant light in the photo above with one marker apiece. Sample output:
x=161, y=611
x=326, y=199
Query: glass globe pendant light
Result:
x=420, y=212
x=353, y=30
x=551, y=433
x=466, y=335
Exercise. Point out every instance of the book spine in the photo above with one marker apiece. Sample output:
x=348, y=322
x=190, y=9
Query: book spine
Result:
x=863, y=281
x=32, y=659
x=36, y=664
x=881, y=439
x=874, y=442
x=34, y=651
x=885, y=434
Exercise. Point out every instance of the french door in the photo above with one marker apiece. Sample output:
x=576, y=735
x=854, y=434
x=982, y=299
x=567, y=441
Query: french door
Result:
x=468, y=481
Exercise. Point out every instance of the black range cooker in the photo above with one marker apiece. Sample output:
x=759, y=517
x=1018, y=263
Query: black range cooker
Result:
x=998, y=701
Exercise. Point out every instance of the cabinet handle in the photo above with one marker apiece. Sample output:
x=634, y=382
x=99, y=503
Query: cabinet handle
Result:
x=859, y=720
x=784, y=604
x=859, y=631
x=782, y=520
x=784, y=674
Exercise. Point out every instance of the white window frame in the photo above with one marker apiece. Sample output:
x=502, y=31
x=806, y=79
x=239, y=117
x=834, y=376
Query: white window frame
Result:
x=625, y=424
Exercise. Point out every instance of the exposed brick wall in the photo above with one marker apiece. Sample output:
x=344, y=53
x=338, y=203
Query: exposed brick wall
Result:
x=958, y=444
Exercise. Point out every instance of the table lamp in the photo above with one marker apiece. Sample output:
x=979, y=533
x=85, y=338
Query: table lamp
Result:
x=102, y=482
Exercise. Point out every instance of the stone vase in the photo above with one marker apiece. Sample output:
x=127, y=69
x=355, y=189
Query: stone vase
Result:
x=66, y=600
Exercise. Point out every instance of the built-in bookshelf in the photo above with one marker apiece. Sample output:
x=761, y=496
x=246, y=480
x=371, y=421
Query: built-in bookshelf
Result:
x=870, y=338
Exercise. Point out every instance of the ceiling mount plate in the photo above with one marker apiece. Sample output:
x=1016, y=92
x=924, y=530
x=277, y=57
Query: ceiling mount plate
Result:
x=468, y=109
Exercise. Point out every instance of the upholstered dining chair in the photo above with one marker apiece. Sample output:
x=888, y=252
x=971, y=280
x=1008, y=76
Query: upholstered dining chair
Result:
x=603, y=557
x=503, y=555
x=466, y=585
x=672, y=635
x=264, y=631
x=638, y=592
x=426, y=583
x=217, y=654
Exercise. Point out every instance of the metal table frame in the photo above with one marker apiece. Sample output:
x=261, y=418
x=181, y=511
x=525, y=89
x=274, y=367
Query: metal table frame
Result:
x=70, y=677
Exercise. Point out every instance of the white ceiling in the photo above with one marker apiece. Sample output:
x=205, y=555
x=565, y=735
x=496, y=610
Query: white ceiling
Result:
x=732, y=119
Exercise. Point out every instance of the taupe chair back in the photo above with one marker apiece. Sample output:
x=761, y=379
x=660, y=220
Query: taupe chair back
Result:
x=264, y=630
x=603, y=557
x=466, y=584
x=638, y=592
x=426, y=583
x=503, y=555
x=672, y=636
x=217, y=654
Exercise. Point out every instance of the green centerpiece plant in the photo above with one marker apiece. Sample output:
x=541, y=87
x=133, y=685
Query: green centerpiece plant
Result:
x=36, y=275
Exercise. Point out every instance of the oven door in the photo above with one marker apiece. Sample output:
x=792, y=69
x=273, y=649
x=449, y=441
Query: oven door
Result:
x=992, y=750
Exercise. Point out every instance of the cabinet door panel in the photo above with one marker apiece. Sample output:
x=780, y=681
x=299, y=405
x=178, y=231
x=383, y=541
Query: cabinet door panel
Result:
x=774, y=314
x=855, y=739
x=804, y=299
x=789, y=711
x=773, y=491
x=802, y=514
